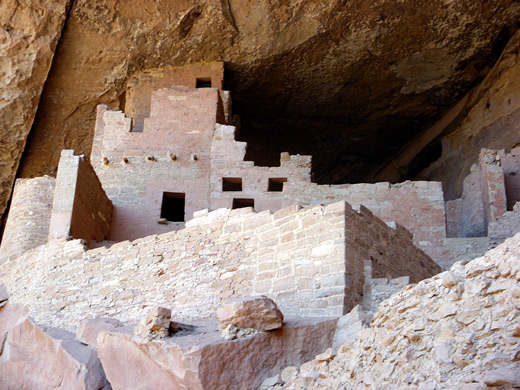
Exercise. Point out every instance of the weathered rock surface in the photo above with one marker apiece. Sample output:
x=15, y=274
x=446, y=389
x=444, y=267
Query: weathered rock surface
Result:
x=155, y=324
x=201, y=359
x=259, y=313
x=331, y=78
x=457, y=330
x=491, y=119
x=89, y=330
x=35, y=357
x=4, y=295
x=349, y=325
x=29, y=33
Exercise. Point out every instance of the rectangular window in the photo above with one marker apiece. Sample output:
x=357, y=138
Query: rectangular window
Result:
x=241, y=203
x=204, y=82
x=231, y=184
x=173, y=204
x=276, y=184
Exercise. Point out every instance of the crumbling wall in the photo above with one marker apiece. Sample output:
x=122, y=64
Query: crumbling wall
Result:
x=471, y=212
x=227, y=161
x=511, y=166
x=306, y=260
x=80, y=207
x=29, y=215
x=456, y=330
x=484, y=196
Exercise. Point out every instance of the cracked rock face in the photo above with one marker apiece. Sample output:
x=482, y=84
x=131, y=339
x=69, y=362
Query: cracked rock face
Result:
x=347, y=81
x=28, y=36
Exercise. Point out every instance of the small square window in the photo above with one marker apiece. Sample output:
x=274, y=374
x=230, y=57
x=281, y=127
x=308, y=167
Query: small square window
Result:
x=173, y=204
x=276, y=184
x=241, y=203
x=231, y=184
x=204, y=82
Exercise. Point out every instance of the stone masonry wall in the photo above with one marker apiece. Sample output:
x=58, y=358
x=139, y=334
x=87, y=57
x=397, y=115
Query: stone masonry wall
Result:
x=142, y=84
x=80, y=207
x=376, y=290
x=494, y=200
x=488, y=191
x=171, y=155
x=293, y=256
x=29, y=215
x=471, y=212
x=227, y=161
x=419, y=206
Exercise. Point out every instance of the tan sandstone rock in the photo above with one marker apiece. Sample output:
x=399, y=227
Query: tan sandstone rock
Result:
x=29, y=33
x=36, y=357
x=420, y=338
x=259, y=312
x=199, y=358
x=89, y=330
x=4, y=295
x=156, y=324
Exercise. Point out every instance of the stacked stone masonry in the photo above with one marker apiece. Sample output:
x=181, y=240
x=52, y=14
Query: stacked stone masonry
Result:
x=309, y=261
x=29, y=216
x=184, y=158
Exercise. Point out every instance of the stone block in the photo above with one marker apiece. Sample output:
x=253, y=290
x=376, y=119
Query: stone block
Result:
x=258, y=312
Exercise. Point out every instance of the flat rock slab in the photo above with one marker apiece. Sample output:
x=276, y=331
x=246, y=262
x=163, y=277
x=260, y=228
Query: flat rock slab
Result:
x=88, y=330
x=200, y=358
x=36, y=357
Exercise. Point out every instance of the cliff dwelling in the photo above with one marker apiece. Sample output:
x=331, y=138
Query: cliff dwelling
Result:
x=224, y=196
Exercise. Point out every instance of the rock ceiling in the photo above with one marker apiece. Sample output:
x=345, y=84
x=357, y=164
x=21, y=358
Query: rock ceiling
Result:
x=350, y=82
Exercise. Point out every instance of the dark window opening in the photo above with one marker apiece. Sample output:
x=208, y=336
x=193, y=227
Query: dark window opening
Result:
x=241, y=203
x=172, y=208
x=204, y=83
x=231, y=184
x=276, y=184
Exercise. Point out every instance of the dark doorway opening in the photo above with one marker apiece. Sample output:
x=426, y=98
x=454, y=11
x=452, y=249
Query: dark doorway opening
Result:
x=241, y=203
x=173, y=204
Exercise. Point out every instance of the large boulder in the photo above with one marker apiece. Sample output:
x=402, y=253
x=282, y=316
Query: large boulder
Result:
x=259, y=313
x=36, y=357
